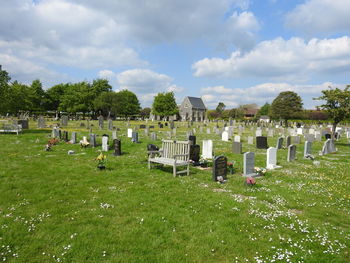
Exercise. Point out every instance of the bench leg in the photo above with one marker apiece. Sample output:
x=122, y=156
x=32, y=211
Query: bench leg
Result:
x=174, y=170
x=188, y=169
x=149, y=164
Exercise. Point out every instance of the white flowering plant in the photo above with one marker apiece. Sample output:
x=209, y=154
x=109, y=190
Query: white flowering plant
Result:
x=260, y=171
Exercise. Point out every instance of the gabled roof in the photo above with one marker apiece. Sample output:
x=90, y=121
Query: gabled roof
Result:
x=197, y=103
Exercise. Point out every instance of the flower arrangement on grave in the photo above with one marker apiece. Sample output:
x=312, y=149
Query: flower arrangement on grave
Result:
x=101, y=159
x=204, y=162
x=230, y=167
x=260, y=171
x=51, y=143
x=84, y=143
x=250, y=181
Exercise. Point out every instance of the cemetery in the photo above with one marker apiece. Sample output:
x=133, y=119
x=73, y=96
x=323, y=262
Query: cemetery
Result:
x=83, y=191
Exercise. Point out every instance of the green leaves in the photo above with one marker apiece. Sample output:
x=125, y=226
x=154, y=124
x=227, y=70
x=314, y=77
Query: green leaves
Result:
x=286, y=105
x=164, y=104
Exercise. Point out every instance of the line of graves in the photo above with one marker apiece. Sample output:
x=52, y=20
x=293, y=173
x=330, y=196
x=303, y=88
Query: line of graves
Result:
x=226, y=133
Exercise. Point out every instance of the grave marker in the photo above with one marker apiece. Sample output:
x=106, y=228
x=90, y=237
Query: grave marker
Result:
x=292, y=150
x=219, y=168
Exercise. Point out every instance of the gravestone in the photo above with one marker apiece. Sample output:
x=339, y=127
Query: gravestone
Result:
x=153, y=136
x=142, y=126
x=307, y=148
x=64, y=120
x=250, y=140
x=237, y=138
x=328, y=136
x=219, y=168
x=279, y=143
x=261, y=142
x=135, y=137
x=195, y=153
x=114, y=135
x=65, y=136
x=117, y=144
x=224, y=136
x=129, y=133
x=318, y=136
x=258, y=133
x=207, y=149
x=60, y=134
x=105, y=143
x=55, y=133
x=93, y=140
x=100, y=122
x=270, y=133
x=41, y=122
x=296, y=139
x=208, y=131
x=288, y=141
x=309, y=137
x=237, y=147
x=160, y=125
x=300, y=131
x=110, y=125
x=73, y=139
x=24, y=124
x=172, y=125
x=248, y=164
x=192, y=139
x=271, y=158
x=332, y=148
x=146, y=130
x=292, y=150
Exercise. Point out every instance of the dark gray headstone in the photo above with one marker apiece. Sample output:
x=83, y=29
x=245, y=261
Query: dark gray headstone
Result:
x=279, y=143
x=288, y=141
x=192, y=139
x=64, y=120
x=73, y=139
x=100, y=122
x=219, y=168
x=23, y=123
x=328, y=136
x=307, y=148
x=248, y=163
x=237, y=147
x=117, y=144
x=142, y=126
x=195, y=153
x=65, y=136
x=110, y=125
x=292, y=151
x=93, y=140
x=135, y=137
x=261, y=142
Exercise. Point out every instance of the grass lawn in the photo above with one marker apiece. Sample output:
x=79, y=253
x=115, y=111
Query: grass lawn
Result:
x=56, y=207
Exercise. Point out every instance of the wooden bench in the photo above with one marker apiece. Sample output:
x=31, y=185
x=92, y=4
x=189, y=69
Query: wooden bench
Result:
x=11, y=128
x=173, y=153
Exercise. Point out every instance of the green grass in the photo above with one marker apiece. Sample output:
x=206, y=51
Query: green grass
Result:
x=56, y=207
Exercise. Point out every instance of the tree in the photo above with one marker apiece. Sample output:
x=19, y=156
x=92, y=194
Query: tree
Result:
x=145, y=112
x=19, y=99
x=221, y=107
x=77, y=98
x=54, y=96
x=129, y=104
x=36, y=96
x=107, y=103
x=164, y=104
x=337, y=104
x=264, y=110
x=286, y=105
x=4, y=90
x=100, y=85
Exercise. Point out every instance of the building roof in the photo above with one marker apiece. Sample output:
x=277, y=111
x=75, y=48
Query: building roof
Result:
x=197, y=103
x=251, y=111
x=264, y=117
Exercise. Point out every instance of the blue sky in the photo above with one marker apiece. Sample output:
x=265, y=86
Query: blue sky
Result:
x=231, y=51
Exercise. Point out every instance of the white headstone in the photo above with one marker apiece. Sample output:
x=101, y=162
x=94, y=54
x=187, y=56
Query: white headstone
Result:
x=207, y=151
x=300, y=131
x=250, y=140
x=129, y=133
x=105, y=143
x=258, y=133
x=224, y=136
x=271, y=158
x=237, y=138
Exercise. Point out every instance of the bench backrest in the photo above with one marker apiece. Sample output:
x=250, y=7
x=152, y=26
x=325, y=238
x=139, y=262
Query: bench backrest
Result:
x=170, y=148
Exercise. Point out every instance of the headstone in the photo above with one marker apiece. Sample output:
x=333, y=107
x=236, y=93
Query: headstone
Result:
x=292, y=150
x=288, y=141
x=271, y=158
x=224, y=136
x=279, y=143
x=270, y=133
x=135, y=137
x=73, y=139
x=129, y=133
x=172, y=125
x=93, y=140
x=117, y=147
x=24, y=124
x=114, y=135
x=237, y=147
x=207, y=149
x=153, y=136
x=237, y=138
x=100, y=122
x=328, y=136
x=195, y=153
x=248, y=164
x=296, y=139
x=110, y=125
x=258, y=133
x=192, y=139
x=219, y=168
x=318, y=136
x=142, y=126
x=250, y=140
x=300, y=131
x=105, y=143
x=261, y=142
x=64, y=120
x=307, y=148
x=65, y=136
x=309, y=137
x=55, y=133
x=208, y=131
x=41, y=122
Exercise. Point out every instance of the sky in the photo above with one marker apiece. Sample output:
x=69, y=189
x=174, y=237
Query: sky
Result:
x=231, y=51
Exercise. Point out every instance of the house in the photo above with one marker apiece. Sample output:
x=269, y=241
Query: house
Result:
x=249, y=113
x=192, y=109
x=264, y=118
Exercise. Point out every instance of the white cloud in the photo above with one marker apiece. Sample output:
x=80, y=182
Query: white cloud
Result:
x=107, y=74
x=293, y=59
x=265, y=92
x=320, y=17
